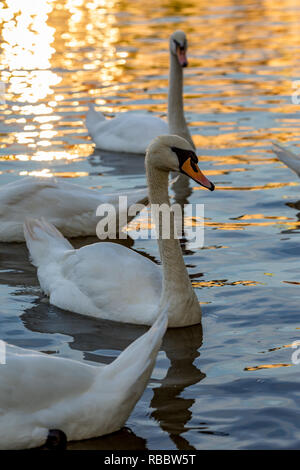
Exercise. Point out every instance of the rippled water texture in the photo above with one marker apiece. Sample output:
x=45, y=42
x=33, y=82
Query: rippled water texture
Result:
x=232, y=385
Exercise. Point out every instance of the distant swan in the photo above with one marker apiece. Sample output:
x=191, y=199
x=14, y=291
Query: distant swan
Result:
x=289, y=158
x=107, y=280
x=47, y=400
x=70, y=207
x=132, y=132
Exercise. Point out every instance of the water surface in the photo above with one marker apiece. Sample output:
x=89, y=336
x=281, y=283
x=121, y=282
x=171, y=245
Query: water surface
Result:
x=229, y=383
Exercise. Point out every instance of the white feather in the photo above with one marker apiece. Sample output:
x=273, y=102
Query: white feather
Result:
x=289, y=158
x=70, y=207
x=39, y=392
x=128, y=132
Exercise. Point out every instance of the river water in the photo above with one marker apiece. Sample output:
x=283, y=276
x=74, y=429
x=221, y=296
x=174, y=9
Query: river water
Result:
x=229, y=383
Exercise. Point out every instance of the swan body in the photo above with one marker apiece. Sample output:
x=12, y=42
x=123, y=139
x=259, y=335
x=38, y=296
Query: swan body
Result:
x=132, y=132
x=128, y=132
x=289, y=158
x=70, y=207
x=104, y=280
x=39, y=392
x=109, y=281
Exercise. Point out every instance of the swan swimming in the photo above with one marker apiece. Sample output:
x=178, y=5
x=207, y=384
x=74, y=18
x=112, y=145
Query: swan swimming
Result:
x=70, y=207
x=47, y=400
x=110, y=281
x=131, y=132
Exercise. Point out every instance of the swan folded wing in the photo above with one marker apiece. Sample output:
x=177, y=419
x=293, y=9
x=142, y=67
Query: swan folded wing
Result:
x=289, y=158
x=70, y=207
x=18, y=191
x=51, y=199
x=32, y=381
x=111, y=276
x=128, y=132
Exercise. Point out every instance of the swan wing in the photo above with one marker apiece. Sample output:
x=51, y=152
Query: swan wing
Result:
x=70, y=207
x=110, y=281
x=289, y=158
x=39, y=392
x=105, y=280
x=128, y=132
x=31, y=380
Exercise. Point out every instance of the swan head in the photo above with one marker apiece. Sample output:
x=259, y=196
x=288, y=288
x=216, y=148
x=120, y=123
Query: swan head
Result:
x=178, y=47
x=173, y=153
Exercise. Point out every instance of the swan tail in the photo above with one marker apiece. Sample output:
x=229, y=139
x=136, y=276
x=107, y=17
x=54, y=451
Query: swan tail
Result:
x=93, y=118
x=287, y=157
x=134, y=365
x=43, y=240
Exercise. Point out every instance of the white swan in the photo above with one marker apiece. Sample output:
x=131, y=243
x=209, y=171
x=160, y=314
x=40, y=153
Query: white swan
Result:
x=108, y=280
x=44, y=399
x=131, y=132
x=289, y=158
x=70, y=207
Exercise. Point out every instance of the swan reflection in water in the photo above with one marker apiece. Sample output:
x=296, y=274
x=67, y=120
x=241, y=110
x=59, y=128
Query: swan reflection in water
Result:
x=294, y=225
x=117, y=164
x=98, y=339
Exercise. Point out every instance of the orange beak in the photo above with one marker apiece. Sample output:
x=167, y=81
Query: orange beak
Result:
x=192, y=170
x=181, y=55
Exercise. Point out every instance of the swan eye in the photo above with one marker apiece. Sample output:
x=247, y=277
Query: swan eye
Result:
x=184, y=155
x=182, y=47
x=193, y=157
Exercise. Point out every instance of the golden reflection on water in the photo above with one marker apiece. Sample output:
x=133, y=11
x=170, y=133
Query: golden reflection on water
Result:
x=272, y=366
x=26, y=50
x=144, y=223
x=268, y=366
x=46, y=173
x=59, y=55
x=50, y=47
x=221, y=283
x=242, y=225
x=41, y=42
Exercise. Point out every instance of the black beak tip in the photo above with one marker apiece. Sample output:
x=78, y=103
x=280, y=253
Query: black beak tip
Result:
x=212, y=186
x=185, y=64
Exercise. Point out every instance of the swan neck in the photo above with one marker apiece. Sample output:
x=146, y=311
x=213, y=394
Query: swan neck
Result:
x=177, y=288
x=176, y=120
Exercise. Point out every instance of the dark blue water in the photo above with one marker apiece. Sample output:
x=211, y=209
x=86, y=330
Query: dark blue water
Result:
x=230, y=383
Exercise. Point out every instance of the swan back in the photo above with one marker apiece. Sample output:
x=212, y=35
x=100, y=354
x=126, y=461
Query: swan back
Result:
x=39, y=392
